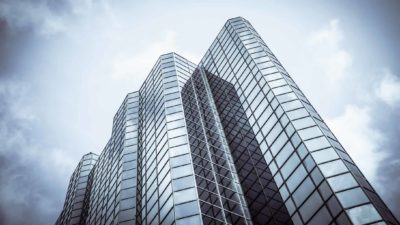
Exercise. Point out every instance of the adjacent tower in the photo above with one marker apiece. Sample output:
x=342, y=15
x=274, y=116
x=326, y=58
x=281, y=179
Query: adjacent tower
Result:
x=232, y=140
x=78, y=194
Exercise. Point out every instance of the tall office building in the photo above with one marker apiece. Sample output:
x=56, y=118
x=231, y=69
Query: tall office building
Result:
x=232, y=140
x=75, y=206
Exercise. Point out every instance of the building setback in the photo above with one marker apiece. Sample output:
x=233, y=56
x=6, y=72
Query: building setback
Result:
x=232, y=140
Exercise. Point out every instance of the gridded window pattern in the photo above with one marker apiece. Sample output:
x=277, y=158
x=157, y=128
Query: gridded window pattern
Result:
x=78, y=193
x=309, y=166
x=262, y=195
x=221, y=198
x=166, y=187
x=231, y=141
x=114, y=178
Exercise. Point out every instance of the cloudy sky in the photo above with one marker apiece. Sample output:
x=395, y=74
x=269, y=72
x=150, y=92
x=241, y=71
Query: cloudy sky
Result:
x=66, y=65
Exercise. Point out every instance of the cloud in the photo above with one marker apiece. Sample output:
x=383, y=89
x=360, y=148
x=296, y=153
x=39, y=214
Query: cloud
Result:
x=50, y=17
x=353, y=124
x=328, y=51
x=369, y=130
x=388, y=89
x=129, y=66
x=27, y=164
x=366, y=125
x=31, y=14
x=362, y=141
x=140, y=64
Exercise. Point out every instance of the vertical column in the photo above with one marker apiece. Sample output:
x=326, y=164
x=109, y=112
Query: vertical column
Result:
x=162, y=142
x=76, y=202
x=184, y=198
x=127, y=195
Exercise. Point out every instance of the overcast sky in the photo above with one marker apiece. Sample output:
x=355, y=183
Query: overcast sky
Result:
x=66, y=66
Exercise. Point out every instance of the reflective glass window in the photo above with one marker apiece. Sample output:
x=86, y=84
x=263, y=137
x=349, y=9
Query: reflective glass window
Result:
x=284, y=154
x=182, y=183
x=186, y=209
x=332, y=168
x=363, y=214
x=292, y=105
x=298, y=175
x=324, y=155
x=181, y=171
x=317, y=143
x=342, y=182
x=286, y=97
x=303, y=191
x=193, y=220
x=290, y=165
x=310, y=132
x=298, y=113
x=352, y=197
x=180, y=160
x=185, y=195
x=177, y=141
x=310, y=206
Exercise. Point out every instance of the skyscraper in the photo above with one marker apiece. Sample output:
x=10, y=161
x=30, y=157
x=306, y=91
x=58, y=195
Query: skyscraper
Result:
x=232, y=140
x=75, y=206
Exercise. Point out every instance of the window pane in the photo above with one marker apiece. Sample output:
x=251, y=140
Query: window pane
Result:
x=310, y=206
x=298, y=113
x=179, y=150
x=292, y=105
x=177, y=141
x=181, y=171
x=286, y=97
x=180, y=160
x=303, y=191
x=193, y=220
x=363, y=214
x=322, y=217
x=324, y=155
x=302, y=123
x=185, y=195
x=182, y=183
x=284, y=154
x=310, y=133
x=294, y=180
x=352, y=197
x=317, y=143
x=333, y=168
x=186, y=209
x=290, y=165
x=342, y=182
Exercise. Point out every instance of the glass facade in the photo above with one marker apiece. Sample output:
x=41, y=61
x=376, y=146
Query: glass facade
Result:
x=78, y=194
x=232, y=140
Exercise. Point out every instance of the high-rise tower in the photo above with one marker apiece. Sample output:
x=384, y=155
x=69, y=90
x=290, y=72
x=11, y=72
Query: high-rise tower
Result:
x=232, y=140
x=76, y=202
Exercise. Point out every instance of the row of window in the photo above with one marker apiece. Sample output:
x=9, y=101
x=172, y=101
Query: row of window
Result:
x=229, y=59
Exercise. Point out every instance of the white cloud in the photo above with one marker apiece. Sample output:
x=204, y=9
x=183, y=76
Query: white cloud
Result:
x=354, y=131
x=16, y=128
x=140, y=64
x=388, y=89
x=46, y=19
x=355, y=126
x=81, y=7
x=29, y=164
x=15, y=93
x=36, y=14
x=328, y=51
x=331, y=35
